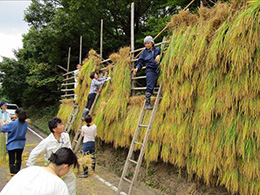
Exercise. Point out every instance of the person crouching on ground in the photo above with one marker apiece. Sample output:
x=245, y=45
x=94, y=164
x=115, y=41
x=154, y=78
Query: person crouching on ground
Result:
x=150, y=58
x=95, y=83
x=16, y=139
x=44, y=180
x=89, y=132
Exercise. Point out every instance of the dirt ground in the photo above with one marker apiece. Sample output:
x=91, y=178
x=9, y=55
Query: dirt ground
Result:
x=158, y=179
x=100, y=182
x=166, y=178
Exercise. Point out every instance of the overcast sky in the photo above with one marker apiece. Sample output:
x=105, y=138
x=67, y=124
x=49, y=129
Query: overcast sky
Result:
x=12, y=26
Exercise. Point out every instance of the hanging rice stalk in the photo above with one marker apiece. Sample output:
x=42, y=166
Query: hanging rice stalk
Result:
x=208, y=121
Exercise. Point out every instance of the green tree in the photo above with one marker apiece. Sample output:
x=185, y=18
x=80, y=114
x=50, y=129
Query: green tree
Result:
x=56, y=25
x=12, y=77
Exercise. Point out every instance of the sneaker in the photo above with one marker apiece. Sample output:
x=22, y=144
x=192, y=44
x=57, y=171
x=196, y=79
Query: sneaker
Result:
x=148, y=107
x=85, y=112
x=83, y=175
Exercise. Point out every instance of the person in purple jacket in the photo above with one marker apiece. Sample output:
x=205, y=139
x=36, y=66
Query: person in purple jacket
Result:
x=150, y=58
x=16, y=139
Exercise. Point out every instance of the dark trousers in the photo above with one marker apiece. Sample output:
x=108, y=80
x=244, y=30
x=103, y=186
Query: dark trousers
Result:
x=151, y=80
x=15, y=160
x=91, y=98
x=89, y=149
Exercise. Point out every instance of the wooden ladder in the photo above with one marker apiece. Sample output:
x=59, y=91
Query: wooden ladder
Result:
x=72, y=117
x=78, y=137
x=143, y=144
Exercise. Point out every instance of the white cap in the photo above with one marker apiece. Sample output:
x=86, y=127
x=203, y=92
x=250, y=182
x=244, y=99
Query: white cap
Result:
x=148, y=39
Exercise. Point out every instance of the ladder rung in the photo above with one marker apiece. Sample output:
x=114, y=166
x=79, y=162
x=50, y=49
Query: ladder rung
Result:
x=65, y=84
x=133, y=161
x=139, y=143
x=68, y=78
x=140, y=77
x=129, y=181
x=145, y=126
x=67, y=90
x=138, y=88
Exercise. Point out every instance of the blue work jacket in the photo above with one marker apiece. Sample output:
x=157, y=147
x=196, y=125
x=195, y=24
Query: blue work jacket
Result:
x=16, y=134
x=147, y=58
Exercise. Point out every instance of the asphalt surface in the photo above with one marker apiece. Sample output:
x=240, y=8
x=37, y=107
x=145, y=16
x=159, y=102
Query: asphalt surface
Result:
x=102, y=182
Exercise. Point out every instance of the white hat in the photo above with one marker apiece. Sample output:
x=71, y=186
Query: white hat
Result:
x=148, y=39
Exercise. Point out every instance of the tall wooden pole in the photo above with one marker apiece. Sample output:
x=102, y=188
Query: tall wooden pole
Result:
x=132, y=45
x=101, y=39
x=68, y=68
x=132, y=27
x=80, y=49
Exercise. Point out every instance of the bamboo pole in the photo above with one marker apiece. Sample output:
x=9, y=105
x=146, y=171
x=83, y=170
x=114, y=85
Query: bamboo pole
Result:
x=107, y=60
x=68, y=62
x=62, y=68
x=3, y=147
x=71, y=72
x=69, y=78
x=132, y=27
x=188, y=5
x=157, y=44
x=68, y=67
x=101, y=39
x=164, y=29
x=80, y=49
x=132, y=46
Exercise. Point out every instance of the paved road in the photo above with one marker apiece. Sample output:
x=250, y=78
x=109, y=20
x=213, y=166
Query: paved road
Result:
x=102, y=182
x=31, y=141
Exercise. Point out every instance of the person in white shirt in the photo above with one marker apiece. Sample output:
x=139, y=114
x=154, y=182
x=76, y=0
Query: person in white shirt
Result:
x=76, y=73
x=4, y=119
x=57, y=139
x=89, y=132
x=43, y=180
x=4, y=115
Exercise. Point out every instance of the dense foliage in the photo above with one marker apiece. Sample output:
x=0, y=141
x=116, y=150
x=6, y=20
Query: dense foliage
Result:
x=56, y=25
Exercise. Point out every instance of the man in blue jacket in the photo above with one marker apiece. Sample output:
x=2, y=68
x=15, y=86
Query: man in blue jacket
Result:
x=149, y=58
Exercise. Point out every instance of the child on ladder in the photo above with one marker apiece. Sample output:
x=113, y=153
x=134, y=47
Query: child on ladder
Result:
x=95, y=83
x=150, y=58
x=89, y=132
